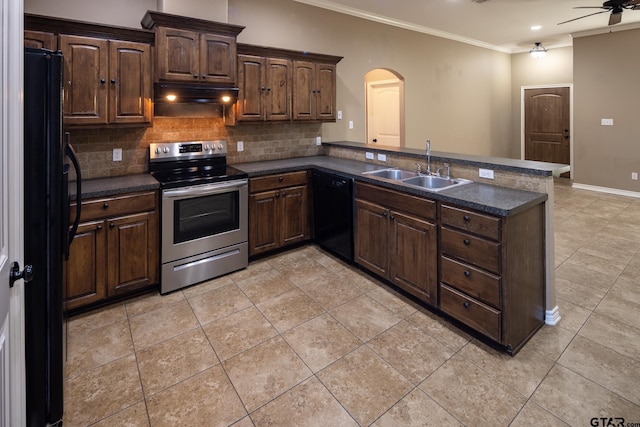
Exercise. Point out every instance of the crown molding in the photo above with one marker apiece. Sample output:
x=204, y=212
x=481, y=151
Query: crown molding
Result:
x=335, y=7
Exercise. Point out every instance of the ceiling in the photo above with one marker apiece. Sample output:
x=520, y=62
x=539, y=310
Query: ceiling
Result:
x=503, y=25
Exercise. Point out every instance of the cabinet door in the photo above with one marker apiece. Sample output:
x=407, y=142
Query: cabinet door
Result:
x=414, y=256
x=177, y=53
x=129, y=82
x=263, y=222
x=371, y=235
x=132, y=252
x=325, y=91
x=85, y=79
x=304, y=106
x=293, y=217
x=278, y=89
x=40, y=40
x=86, y=272
x=218, y=59
x=251, y=76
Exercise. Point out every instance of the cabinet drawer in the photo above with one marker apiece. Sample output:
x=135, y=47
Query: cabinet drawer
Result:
x=484, y=225
x=477, y=251
x=472, y=281
x=272, y=182
x=479, y=316
x=115, y=206
x=407, y=203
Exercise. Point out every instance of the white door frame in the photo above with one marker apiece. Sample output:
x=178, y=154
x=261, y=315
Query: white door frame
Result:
x=368, y=88
x=11, y=144
x=522, y=135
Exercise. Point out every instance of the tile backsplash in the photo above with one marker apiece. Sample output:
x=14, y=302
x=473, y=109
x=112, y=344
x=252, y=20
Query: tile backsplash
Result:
x=94, y=147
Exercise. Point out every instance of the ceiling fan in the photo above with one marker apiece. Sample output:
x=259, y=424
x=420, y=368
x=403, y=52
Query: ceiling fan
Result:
x=616, y=7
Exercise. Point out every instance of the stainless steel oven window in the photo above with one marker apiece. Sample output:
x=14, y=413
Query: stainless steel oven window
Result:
x=205, y=216
x=172, y=251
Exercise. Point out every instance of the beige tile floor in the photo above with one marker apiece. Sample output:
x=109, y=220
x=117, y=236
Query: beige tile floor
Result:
x=302, y=339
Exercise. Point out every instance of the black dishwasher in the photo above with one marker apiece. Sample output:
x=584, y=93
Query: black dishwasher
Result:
x=333, y=213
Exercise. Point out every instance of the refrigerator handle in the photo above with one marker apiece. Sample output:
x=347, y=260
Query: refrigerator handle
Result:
x=68, y=149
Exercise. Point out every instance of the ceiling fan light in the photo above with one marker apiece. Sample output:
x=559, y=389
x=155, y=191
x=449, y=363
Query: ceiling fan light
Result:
x=538, y=51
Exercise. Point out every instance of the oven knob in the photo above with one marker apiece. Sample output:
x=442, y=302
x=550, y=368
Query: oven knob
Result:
x=208, y=147
x=158, y=150
x=220, y=146
x=165, y=150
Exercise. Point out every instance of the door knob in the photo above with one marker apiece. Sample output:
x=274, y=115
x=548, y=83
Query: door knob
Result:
x=16, y=274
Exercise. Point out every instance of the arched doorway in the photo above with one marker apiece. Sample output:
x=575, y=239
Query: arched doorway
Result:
x=385, y=107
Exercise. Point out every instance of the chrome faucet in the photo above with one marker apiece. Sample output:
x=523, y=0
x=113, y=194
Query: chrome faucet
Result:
x=448, y=171
x=428, y=156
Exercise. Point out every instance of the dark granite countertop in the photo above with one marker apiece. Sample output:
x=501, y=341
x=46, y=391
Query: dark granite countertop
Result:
x=111, y=186
x=500, y=163
x=491, y=199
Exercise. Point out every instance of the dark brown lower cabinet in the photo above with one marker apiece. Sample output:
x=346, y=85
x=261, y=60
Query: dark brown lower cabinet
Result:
x=278, y=211
x=396, y=238
x=115, y=251
x=492, y=272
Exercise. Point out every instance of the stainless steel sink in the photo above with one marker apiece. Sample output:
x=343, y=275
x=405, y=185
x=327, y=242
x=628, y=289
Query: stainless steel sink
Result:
x=393, y=174
x=434, y=183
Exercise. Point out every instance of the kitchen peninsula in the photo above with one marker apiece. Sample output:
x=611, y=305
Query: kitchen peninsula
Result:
x=509, y=222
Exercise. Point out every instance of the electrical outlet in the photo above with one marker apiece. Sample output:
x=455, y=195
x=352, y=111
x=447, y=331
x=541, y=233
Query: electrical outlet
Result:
x=606, y=122
x=382, y=157
x=350, y=124
x=318, y=140
x=368, y=155
x=634, y=176
x=485, y=173
x=240, y=145
x=339, y=115
x=117, y=154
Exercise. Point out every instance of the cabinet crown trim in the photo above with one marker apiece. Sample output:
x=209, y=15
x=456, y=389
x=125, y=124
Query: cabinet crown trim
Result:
x=153, y=19
x=86, y=29
x=296, y=55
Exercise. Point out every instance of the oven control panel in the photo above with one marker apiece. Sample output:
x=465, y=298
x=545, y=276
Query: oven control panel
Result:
x=165, y=151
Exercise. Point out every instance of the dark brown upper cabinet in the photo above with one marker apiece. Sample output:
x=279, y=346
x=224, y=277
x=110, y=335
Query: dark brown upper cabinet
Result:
x=40, y=40
x=107, y=70
x=314, y=91
x=265, y=89
x=193, y=50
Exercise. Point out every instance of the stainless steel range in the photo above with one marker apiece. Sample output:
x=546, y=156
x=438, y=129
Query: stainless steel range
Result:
x=204, y=212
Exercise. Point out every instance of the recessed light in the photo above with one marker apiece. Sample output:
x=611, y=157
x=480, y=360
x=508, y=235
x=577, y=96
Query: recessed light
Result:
x=536, y=27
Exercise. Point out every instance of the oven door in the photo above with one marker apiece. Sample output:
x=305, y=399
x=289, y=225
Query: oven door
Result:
x=203, y=218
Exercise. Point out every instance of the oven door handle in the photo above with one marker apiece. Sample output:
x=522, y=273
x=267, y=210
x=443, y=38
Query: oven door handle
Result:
x=203, y=190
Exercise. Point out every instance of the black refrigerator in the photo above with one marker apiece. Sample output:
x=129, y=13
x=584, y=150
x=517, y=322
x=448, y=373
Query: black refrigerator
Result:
x=47, y=234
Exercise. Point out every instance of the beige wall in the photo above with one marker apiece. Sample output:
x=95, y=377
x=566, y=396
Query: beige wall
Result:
x=124, y=13
x=606, y=70
x=456, y=94
x=555, y=68
x=465, y=98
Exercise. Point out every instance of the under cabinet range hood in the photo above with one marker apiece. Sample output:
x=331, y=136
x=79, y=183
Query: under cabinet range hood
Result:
x=169, y=92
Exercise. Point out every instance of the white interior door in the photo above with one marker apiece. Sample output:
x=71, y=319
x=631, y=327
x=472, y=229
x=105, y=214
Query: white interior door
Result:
x=12, y=379
x=383, y=113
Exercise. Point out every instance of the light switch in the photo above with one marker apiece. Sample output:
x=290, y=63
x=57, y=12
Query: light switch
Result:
x=369, y=155
x=240, y=145
x=606, y=122
x=117, y=154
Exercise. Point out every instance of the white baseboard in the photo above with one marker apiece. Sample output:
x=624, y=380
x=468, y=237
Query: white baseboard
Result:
x=552, y=317
x=607, y=190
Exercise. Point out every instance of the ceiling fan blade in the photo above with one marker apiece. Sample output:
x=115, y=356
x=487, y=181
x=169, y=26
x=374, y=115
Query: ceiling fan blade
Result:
x=615, y=18
x=585, y=16
x=632, y=3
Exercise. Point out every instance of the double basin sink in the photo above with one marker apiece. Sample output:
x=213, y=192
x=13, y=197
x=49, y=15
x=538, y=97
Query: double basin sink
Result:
x=414, y=179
